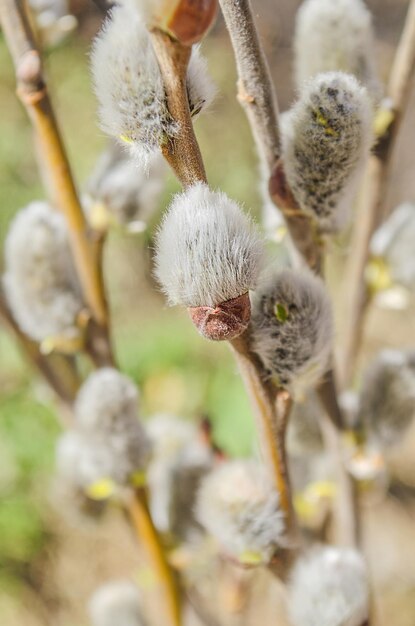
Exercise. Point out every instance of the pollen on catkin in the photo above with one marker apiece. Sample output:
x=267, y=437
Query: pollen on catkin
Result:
x=239, y=506
x=129, y=193
x=106, y=412
x=387, y=397
x=393, y=244
x=326, y=137
x=116, y=603
x=292, y=328
x=129, y=86
x=336, y=35
x=40, y=280
x=329, y=587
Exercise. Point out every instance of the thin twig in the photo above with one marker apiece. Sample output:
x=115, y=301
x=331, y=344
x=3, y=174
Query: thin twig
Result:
x=139, y=514
x=271, y=417
x=251, y=63
x=186, y=161
x=373, y=196
x=255, y=91
x=32, y=91
x=181, y=152
x=257, y=95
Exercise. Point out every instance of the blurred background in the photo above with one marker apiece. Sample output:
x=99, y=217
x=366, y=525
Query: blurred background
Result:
x=49, y=565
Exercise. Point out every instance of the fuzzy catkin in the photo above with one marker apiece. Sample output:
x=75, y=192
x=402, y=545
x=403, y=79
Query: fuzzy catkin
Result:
x=394, y=243
x=335, y=35
x=40, y=281
x=130, y=89
x=239, y=506
x=292, y=328
x=131, y=194
x=326, y=137
x=207, y=250
x=129, y=86
x=387, y=398
x=106, y=412
x=179, y=462
x=117, y=603
x=329, y=587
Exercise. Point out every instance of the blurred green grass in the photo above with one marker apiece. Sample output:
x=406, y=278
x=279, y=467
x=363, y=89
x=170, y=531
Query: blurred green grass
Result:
x=177, y=370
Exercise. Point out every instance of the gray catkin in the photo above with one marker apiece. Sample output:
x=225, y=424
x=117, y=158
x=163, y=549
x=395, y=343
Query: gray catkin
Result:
x=326, y=137
x=329, y=587
x=387, y=397
x=40, y=280
x=294, y=346
x=239, y=506
x=207, y=250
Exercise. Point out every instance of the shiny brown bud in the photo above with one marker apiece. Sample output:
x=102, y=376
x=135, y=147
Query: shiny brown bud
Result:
x=227, y=321
x=187, y=20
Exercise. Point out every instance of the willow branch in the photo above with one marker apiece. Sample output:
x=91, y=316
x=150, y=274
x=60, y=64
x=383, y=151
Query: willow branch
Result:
x=271, y=414
x=373, y=197
x=262, y=114
x=182, y=151
x=186, y=161
x=257, y=95
x=58, y=370
x=139, y=514
x=32, y=91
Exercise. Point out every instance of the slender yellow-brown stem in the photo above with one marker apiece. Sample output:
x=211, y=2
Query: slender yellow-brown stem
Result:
x=32, y=91
x=372, y=200
x=271, y=417
x=139, y=514
x=183, y=154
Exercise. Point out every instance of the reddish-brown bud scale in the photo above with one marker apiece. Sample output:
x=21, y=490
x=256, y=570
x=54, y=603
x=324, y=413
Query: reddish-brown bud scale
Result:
x=188, y=20
x=224, y=322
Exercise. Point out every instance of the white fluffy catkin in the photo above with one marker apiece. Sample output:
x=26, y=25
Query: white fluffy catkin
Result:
x=292, y=327
x=394, y=243
x=130, y=193
x=117, y=603
x=40, y=281
x=129, y=86
x=326, y=137
x=329, y=587
x=238, y=505
x=387, y=398
x=106, y=412
x=336, y=35
x=207, y=250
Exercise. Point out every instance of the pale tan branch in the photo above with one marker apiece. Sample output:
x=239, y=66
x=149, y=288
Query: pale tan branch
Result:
x=32, y=91
x=371, y=205
x=255, y=90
